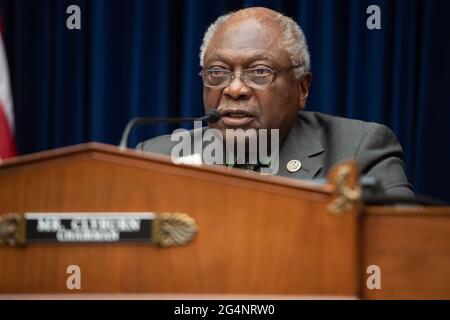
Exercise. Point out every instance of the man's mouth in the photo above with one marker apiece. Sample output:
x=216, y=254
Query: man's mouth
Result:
x=236, y=118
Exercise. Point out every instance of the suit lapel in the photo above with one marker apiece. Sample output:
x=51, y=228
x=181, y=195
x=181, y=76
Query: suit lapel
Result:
x=301, y=144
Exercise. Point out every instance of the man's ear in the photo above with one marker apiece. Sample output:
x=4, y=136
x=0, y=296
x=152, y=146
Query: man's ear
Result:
x=303, y=85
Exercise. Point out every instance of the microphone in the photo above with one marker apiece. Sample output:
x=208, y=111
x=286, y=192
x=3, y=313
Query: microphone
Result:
x=211, y=116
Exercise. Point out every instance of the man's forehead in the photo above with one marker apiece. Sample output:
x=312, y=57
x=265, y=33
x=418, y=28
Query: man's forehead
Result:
x=245, y=55
x=248, y=38
x=247, y=33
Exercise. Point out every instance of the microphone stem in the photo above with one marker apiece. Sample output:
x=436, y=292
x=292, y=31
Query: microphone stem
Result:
x=141, y=120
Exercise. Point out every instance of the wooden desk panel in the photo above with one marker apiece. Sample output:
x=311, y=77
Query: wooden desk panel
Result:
x=266, y=235
x=411, y=245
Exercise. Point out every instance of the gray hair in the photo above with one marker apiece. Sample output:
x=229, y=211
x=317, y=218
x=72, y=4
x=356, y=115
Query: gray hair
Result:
x=293, y=40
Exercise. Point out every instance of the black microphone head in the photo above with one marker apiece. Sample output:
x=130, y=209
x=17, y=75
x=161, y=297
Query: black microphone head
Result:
x=212, y=116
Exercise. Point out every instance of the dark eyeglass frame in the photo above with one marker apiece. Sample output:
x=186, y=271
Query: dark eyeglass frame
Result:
x=244, y=76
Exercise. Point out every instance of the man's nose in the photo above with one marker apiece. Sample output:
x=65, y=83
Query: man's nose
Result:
x=237, y=89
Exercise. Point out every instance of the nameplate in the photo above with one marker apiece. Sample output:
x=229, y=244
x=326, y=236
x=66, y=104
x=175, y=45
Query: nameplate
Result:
x=88, y=227
x=166, y=229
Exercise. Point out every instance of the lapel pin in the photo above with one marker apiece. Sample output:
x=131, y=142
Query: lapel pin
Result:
x=293, y=165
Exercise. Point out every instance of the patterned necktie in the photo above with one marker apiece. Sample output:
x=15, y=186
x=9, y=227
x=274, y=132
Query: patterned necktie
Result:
x=249, y=166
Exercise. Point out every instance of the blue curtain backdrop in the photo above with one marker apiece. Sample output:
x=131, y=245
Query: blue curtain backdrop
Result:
x=141, y=58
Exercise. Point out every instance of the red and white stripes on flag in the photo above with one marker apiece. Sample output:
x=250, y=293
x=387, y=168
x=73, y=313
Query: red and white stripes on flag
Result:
x=7, y=143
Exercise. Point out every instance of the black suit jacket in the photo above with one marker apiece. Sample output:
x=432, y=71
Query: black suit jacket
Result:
x=319, y=141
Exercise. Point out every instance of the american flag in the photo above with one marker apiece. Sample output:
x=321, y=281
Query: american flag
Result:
x=7, y=143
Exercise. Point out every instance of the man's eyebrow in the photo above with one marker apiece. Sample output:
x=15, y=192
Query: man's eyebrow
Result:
x=250, y=58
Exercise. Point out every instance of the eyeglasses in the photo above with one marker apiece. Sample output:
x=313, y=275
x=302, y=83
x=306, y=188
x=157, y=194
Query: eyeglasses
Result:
x=254, y=77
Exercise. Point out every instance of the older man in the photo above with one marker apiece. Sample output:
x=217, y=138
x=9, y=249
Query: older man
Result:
x=256, y=72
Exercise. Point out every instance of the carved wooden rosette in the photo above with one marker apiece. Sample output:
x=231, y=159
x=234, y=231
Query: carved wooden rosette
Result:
x=347, y=196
